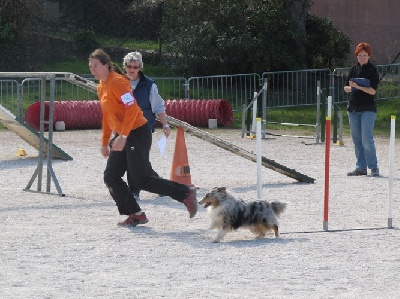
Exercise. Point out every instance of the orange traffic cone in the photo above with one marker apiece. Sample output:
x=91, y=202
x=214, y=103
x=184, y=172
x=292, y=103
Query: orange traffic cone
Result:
x=180, y=171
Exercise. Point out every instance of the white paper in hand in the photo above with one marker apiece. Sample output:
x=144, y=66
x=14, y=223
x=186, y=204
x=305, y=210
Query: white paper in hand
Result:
x=161, y=145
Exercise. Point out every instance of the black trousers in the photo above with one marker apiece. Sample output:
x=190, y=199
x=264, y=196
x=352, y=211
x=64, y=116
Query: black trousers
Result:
x=131, y=184
x=134, y=159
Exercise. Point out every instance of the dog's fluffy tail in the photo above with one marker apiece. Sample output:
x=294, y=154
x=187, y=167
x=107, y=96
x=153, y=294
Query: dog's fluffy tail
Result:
x=278, y=207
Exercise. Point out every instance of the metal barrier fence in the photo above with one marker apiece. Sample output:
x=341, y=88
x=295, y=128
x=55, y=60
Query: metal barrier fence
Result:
x=172, y=88
x=389, y=86
x=285, y=88
x=10, y=95
x=18, y=94
x=236, y=89
x=295, y=88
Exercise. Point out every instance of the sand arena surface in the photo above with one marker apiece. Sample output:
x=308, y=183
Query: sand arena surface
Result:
x=71, y=247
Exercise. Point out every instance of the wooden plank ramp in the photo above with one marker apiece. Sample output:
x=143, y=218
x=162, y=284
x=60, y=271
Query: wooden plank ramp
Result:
x=27, y=133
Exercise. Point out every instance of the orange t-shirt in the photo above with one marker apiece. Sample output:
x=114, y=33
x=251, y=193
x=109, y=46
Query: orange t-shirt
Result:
x=120, y=111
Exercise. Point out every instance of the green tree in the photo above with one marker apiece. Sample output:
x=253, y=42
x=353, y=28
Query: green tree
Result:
x=16, y=18
x=327, y=46
x=236, y=36
x=227, y=36
x=245, y=36
x=6, y=30
x=20, y=14
x=298, y=12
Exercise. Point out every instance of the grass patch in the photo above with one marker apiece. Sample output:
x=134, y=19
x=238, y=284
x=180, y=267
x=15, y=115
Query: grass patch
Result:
x=78, y=66
x=112, y=41
x=71, y=66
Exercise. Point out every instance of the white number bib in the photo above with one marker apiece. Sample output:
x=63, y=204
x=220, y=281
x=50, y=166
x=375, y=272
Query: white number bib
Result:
x=127, y=99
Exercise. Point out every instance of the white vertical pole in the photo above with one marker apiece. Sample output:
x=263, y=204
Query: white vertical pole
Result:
x=391, y=169
x=264, y=109
x=330, y=106
x=259, y=179
x=253, y=129
x=318, y=115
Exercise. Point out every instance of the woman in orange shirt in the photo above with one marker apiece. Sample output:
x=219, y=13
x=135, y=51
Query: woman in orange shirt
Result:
x=128, y=150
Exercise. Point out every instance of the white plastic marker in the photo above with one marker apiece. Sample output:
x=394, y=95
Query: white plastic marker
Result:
x=391, y=169
x=327, y=152
x=259, y=178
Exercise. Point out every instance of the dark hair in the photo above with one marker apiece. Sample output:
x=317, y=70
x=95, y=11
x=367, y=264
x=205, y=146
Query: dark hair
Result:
x=104, y=58
x=363, y=47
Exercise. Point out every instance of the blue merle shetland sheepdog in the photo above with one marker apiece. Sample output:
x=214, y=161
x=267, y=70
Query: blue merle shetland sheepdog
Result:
x=228, y=213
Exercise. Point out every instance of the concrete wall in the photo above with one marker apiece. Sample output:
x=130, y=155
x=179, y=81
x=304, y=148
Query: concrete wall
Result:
x=374, y=21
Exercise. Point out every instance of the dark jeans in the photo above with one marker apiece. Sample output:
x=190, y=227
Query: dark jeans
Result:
x=134, y=159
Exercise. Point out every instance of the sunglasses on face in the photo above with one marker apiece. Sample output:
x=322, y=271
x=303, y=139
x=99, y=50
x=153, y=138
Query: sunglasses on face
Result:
x=135, y=67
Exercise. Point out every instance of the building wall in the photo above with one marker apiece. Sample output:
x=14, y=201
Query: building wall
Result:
x=374, y=21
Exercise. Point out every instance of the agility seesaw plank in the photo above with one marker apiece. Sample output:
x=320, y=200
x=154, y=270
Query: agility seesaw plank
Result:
x=23, y=130
x=91, y=86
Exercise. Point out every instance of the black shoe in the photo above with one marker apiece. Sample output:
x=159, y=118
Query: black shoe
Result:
x=375, y=172
x=358, y=171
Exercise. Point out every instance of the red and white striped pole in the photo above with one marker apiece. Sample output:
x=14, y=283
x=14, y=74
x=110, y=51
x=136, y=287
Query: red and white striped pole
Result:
x=327, y=152
x=391, y=169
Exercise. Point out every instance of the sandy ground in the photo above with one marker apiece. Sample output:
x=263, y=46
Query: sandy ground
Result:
x=71, y=247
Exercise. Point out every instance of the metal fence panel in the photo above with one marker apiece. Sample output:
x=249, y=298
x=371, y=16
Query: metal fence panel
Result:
x=67, y=91
x=389, y=87
x=172, y=88
x=236, y=89
x=9, y=91
x=295, y=88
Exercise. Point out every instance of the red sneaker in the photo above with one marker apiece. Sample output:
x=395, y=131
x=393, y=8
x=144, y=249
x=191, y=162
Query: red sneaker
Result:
x=191, y=202
x=134, y=220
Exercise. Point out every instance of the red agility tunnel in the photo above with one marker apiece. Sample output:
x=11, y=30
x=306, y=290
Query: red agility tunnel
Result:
x=75, y=114
x=198, y=112
x=87, y=114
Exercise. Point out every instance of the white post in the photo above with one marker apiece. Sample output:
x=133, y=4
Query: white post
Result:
x=391, y=169
x=329, y=106
x=253, y=128
x=318, y=114
x=259, y=165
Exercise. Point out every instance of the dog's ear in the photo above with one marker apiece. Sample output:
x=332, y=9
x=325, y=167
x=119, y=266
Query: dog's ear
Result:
x=222, y=189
